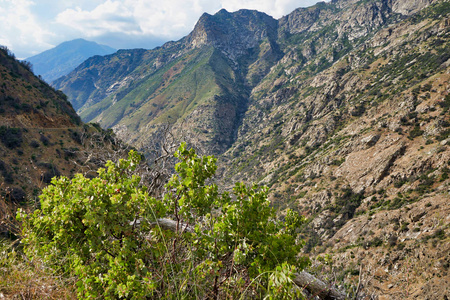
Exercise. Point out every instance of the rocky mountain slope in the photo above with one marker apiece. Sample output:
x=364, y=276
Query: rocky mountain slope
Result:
x=65, y=57
x=340, y=108
x=41, y=136
x=191, y=83
x=362, y=149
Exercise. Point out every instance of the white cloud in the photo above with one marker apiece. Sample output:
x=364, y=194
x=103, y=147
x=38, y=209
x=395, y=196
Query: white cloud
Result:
x=136, y=17
x=110, y=16
x=5, y=42
x=32, y=26
x=20, y=29
x=168, y=19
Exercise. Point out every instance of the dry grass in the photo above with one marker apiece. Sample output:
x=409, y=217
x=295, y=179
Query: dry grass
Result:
x=21, y=278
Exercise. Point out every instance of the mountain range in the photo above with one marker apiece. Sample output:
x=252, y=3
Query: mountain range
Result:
x=64, y=58
x=341, y=108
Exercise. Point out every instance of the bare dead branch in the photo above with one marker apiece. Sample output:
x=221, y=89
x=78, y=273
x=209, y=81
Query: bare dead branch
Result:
x=167, y=224
x=317, y=287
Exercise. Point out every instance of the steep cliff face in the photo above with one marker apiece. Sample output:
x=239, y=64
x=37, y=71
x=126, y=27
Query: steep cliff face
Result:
x=233, y=33
x=354, y=20
x=409, y=7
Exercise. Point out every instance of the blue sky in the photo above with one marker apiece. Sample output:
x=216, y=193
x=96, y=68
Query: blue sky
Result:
x=29, y=27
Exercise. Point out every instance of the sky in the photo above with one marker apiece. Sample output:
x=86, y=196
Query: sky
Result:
x=29, y=27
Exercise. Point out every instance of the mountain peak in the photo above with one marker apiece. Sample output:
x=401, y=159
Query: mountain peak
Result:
x=232, y=32
x=223, y=11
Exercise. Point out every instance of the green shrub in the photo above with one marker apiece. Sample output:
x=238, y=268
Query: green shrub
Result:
x=11, y=137
x=415, y=132
x=392, y=240
x=444, y=175
x=44, y=140
x=445, y=104
x=18, y=195
x=347, y=203
x=34, y=144
x=105, y=231
x=8, y=176
x=375, y=242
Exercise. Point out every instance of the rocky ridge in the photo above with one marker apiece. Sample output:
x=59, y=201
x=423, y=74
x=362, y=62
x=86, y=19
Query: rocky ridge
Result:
x=366, y=139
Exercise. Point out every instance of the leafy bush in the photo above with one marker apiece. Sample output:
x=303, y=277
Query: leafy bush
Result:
x=347, y=204
x=51, y=172
x=444, y=175
x=425, y=184
x=34, y=144
x=415, y=132
x=445, y=104
x=44, y=140
x=18, y=195
x=108, y=232
x=11, y=137
x=8, y=176
x=70, y=153
x=338, y=162
x=392, y=240
x=76, y=136
x=375, y=242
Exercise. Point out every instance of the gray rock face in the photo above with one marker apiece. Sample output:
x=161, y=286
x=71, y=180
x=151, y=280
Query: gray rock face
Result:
x=409, y=7
x=348, y=19
x=300, y=20
x=233, y=33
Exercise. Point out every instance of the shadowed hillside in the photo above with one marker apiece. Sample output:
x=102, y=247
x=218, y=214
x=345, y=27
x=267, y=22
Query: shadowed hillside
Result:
x=41, y=136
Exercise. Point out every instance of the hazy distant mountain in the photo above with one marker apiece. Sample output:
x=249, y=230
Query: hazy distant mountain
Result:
x=65, y=57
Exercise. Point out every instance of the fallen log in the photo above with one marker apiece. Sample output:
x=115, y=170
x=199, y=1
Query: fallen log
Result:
x=166, y=224
x=317, y=287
